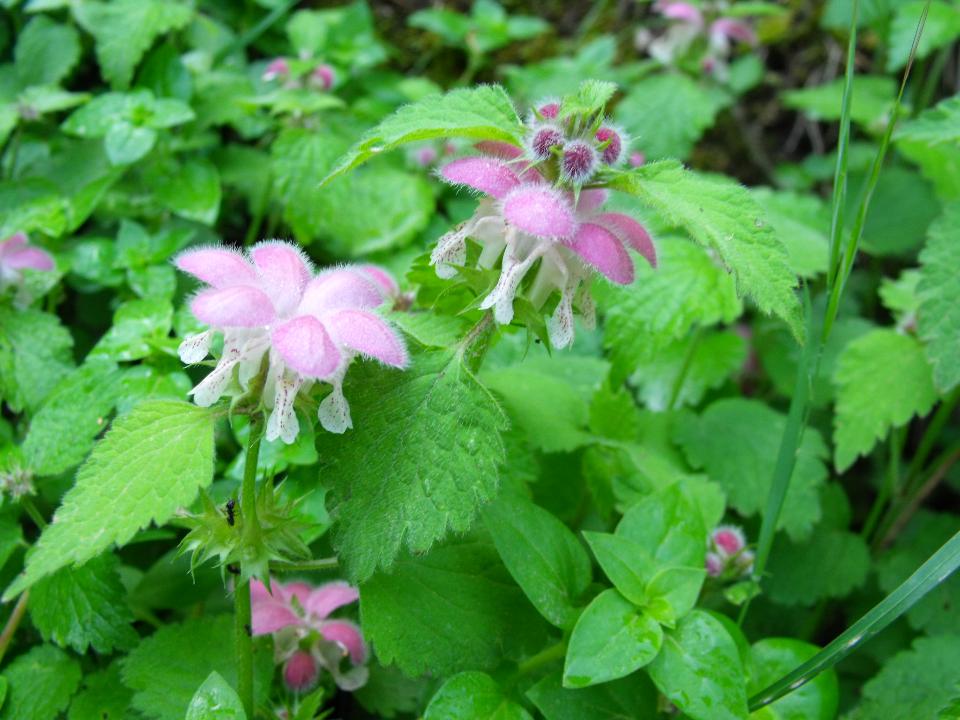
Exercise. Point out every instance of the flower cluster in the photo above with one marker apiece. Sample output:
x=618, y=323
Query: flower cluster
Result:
x=17, y=255
x=305, y=638
x=270, y=304
x=318, y=77
x=691, y=23
x=538, y=210
x=727, y=553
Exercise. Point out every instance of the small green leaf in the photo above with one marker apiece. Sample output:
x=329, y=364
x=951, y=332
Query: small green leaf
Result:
x=873, y=97
x=829, y=564
x=473, y=696
x=699, y=670
x=627, y=564
x=215, y=700
x=939, y=296
x=591, y=97
x=774, y=657
x=126, y=143
x=46, y=52
x=35, y=354
x=668, y=526
x=936, y=125
x=138, y=325
x=625, y=699
x=941, y=28
x=191, y=190
x=673, y=592
x=103, y=696
x=611, y=639
x=41, y=682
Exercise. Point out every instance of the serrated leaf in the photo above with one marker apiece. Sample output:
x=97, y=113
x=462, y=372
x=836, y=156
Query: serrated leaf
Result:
x=451, y=610
x=723, y=217
x=35, y=354
x=829, y=564
x=125, y=29
x=699, y=670
x=215, y=700
x=473, y=696
x=437, y=434
x=138, y=325
x=868, y=403
x=41, y=682
x=591, y=97
x=629, y=698
x=86, y=606
x=74, y=413
x=938, y=318
x=151, y=462
x=735, y=440
x=480, y=113
x=542, y=555
x=191, y=190
x=662, y=305
x=936, y=125
x=802, y=222
x=166, y=669
x=103, y=696
x=46, y=52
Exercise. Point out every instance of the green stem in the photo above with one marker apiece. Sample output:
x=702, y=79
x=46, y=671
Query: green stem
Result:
x=890, y=483
x=241, y=598
x=473, y=348
x=929, y=438
x=330, y=563
x=256, y=31
x=13, y=622
x=544, y=657
x=692, y=345
x=27, y=503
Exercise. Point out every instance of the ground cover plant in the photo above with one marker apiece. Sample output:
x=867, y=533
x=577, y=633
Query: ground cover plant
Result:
x=545, y=360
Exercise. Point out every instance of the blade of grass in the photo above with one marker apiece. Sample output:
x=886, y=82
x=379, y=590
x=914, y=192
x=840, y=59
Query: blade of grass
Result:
x=934, y=571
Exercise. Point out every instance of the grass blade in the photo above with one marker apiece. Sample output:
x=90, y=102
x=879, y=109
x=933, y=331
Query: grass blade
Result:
x=934, y=571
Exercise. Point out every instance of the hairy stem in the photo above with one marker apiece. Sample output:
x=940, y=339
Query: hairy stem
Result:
x=27, y=504
x=330, y=563
x=13, y=622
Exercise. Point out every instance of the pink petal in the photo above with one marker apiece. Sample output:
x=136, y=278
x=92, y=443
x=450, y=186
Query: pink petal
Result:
x=496, y=148
x=327, y=598
x=630, y=232
x=367, y=334
x=305, y=346
x=300, y=672
x=681, y=11
x=480, y=173
x=259, y=592
x=28, y=257
x=15, y=241
x=601, y=249
x=217, y=267
x=591, y=200
x=284, y=272
x=337, y=289
x=299, y=590
x=269, y=617
x=733, y=29
x=233, y=306
x=381, y=277
x=347, y=634
x=540, y=211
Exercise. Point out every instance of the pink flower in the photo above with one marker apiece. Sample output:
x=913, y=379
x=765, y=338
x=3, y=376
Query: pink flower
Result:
x=727, y=554
x=637, y=159
x=277, y=69
x=714, y=564
x=682, y=11
x=728, y=540
x=305, y=636
x=310, y=328
x=524, y=220
x=322, y=77
x=17, y=255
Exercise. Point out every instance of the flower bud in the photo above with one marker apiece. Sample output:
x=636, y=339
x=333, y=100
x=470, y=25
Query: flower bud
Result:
x=714, y=564
x=728, y=540
x=542, y=140
x=277, y=69
x=322, y=77
x=300, y=672
x=613, y=151
x=550, y=110
x=637, y=159
x=578, y=163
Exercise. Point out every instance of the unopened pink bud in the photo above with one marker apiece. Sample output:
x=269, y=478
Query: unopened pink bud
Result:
x=613, y=151
x=728, y=540
x=278, y=68
x=713, y=564
x=426, y=156
x=550, y=110
x=543, y=140
x=578, y=163
x=323, y=76
x=300, y=671
x=637, y=159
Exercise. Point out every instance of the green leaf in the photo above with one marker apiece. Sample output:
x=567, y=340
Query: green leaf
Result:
x=939, y=611
x=41, y=683
x=83, y=607
x=868, y=404
x=453, y=609
x=773, y=657
x=699, y=670
x=35, y=354
x=437, y=434
x=473, y=696
x=215, y=700
x=74, y=413
x=102, y=697
x=591, y=97
x=611, y=639
x=661, y=306
x=46, y=52
x=941, y=28
x=691, y=106
x=889, y=230
x=151, y=462
x=939, y=295
x=166, y=669
x=802, y=222
x=915, y=683
x=936, y=125
x=138, y=326
x=191, y=190
x=873, y=97
x=125, y=29
x=625, y=562
x=673, y=592
x=723, y=217
x=126, y=143
x=736, y=441
x=669, y=526
x=829, y=564
x=628, y=698
x=542, y=555
x=481, y=113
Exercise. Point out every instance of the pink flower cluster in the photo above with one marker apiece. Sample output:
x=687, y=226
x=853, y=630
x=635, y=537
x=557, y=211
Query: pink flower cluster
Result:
x=321, y=77
x=17, y=255
x=727, y=553
x=536, y=210
x=306, y=639
x=691, y=23
x=310, y=327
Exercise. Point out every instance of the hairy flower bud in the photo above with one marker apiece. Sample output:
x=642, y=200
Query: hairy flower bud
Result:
x=728, y=540
x=300, y=672
x=714, y=564
x=550, y=110
x=637, y=159
x=322, y=77
x=542, y=140
x=612, y=152
x=578, y=163
x=277, y=69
